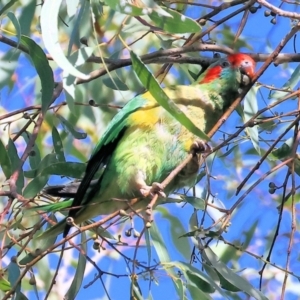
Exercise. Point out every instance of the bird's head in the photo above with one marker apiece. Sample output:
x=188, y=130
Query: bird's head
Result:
x=237, y=66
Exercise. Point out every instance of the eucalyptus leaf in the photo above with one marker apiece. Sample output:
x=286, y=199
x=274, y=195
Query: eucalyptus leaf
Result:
x=5, y=162
x=160, y=96
x=49, y=25
x=43, y=69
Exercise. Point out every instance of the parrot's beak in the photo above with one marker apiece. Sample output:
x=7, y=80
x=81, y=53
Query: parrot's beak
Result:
x=245, y=80
x=247, y=73
x=248, y=69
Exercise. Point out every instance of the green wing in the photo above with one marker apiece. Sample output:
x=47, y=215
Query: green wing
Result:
x=103, y=152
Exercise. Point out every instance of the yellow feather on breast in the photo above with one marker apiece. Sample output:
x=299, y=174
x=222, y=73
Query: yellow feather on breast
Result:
x=190, y=100
x=148, y=115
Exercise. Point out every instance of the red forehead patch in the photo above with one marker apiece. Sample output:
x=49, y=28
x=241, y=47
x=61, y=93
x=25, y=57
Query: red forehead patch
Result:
x=211, y=74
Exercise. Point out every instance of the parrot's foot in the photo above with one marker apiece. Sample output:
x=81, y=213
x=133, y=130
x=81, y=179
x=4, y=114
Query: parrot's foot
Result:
x=200, y=146
x=156, y=188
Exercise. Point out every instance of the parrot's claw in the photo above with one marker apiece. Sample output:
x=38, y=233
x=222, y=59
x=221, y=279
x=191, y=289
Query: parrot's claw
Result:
x=156, y=188
x=200, y=146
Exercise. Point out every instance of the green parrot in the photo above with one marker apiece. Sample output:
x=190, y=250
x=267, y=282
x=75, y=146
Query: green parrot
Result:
x=143, y=143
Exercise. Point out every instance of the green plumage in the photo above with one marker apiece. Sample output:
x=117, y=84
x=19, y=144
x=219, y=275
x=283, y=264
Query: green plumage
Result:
x=144, y=143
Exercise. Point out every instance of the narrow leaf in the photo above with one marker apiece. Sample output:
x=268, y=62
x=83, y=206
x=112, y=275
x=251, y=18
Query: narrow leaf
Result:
x=195, y=276
x=115, y=83
x=7, y=6
x=34, y=156
x=236, y=280
x=72, y=7
x=160, y=96
x=76, y=134
x=16, y=24
x=4, y=285
x=68, y=169
x=176, y=23
x=124, y=7
x=52, y=207
x=43, y=69
x=13, y=271
x=16, y=162
x=49, y=26
x=250, y=109
x=5, y=162
x=84, y=7
x=58, y=145
x=35, y=186
x=80, y=268
x=148, y=245
x=159, y=244
x=177, y=230
x=289, y=85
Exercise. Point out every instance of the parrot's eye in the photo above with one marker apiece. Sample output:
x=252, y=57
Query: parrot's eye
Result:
x=225, y=64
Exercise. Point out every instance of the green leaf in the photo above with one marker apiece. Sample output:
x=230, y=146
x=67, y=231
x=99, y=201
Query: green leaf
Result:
x=193, y=222
x=41, y=245
x=80, y=268
x=115, y=83
x=50, y=167
x=180, y=287
x=268, y=125
x=200, y=231
x=76, y=134
x=197, y=293
x=35, y=186
x=226, y=285
x=16, y=162
x=5, y=162
x=160, y=96
x=176, y=23
x=196, y=202
x=72, y=6
x=288, y=86
x=34, y=156
x=80, y=56
x=8, y=65
x=81, y=18
x=48, y=160
x=194, y=276
x=68, y=169
x=43, y=69
x=137, y=292
x=13, y=271
x=16, y=24
x=52, y=207
x=49, y=25
x=77, y=58
x=148, y=245
x=228, y=151
x=250, y=109
x=99, y=230
x=177, y=230
x=124, y=7
x=234, y=279
x=285, y=150
x=4, y=285
x=58, y=145
x=159, y=243
x=7, y=6
x=20, y=296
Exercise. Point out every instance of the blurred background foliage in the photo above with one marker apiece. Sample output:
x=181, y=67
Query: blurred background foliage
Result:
x=81, y=50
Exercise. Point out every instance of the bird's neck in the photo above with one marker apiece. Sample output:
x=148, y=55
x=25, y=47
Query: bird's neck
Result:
x=223, y=90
